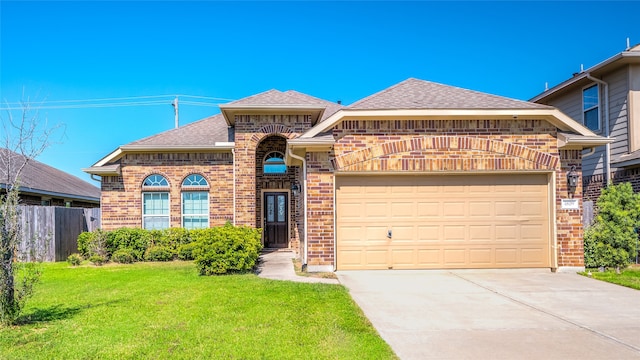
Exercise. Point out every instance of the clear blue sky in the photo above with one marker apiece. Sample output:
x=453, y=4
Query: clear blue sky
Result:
x=86, y=50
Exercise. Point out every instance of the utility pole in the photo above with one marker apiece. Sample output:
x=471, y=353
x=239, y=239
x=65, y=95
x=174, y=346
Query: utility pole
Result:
x=175, y=108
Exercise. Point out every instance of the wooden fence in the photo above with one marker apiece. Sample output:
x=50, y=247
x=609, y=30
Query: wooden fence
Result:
x=53, y=231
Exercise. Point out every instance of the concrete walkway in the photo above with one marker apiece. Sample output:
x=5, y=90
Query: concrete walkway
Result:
x=498, y=314
x=278, y=265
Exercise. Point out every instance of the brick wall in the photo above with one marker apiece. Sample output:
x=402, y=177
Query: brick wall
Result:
x=255, y=136
x=570, y=245
x=121, y=200
x=320, y=212
x=425, y=146
x=593, y=184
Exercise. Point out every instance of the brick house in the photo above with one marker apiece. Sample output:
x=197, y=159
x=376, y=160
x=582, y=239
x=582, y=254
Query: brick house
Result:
x=418, y=176
x=606, y=99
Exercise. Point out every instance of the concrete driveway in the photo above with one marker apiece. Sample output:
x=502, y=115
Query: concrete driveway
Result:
x=498, y=314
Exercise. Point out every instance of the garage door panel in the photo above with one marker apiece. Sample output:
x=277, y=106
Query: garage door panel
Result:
x=429, y=257
x=454, y=209
x=455, y=256
x=478, y=257
x=480, y=233
x=479, y=221
x=428, y=209
x=428, y=233
x=480, y=208
x=402, y=234
x=403, y=209
x=506, y=256
x=376, y=210
x=374, y=235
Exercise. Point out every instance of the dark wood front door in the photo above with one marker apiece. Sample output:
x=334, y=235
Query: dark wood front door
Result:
x=276, y=219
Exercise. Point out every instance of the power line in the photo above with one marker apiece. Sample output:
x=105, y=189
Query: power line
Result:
x=122, y=99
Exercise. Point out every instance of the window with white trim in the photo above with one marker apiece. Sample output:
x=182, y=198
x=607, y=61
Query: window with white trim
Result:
x=591, y=107
x=274, y=163
x=195, y=202
x=155, y=203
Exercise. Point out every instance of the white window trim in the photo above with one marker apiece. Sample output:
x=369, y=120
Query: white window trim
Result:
x=168, y=204
x=584, y=111
x=264, y=162
x=182, y=214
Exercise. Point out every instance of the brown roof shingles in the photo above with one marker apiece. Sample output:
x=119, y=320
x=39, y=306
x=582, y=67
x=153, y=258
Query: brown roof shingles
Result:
x=205, y=132
x=38, y=176
x=420, y=94
x=287, y=98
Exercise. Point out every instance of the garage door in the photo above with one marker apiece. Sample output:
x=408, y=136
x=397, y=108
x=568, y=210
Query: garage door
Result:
x=439, y=222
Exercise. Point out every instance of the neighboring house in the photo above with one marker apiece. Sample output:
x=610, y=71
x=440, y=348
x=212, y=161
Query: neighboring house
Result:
x=418, y=176
x=41, y=184
x=606, y=99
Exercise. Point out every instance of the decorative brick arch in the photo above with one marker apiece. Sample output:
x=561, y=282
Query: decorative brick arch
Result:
x=271, y=129
x=442, y=143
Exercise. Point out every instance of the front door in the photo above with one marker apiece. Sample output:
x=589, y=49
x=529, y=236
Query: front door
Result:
x=275, y=219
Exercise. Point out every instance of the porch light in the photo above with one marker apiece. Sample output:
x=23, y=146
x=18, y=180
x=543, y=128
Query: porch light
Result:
x=295, y=188
x=572, y=179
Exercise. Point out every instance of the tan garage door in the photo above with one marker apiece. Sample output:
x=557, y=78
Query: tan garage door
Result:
x=438, y=222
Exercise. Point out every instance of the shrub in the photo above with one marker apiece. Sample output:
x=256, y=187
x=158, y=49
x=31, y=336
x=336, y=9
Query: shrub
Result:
x=97, y=260
x=611, y=241
x=123, y=256
x=226, y=249
x=136, y=240
x=159, y=253
x=84, y=239
x=185, y=251
x=74, y=259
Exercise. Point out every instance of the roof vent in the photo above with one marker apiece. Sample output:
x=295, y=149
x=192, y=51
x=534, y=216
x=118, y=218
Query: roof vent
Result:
x=339, y=102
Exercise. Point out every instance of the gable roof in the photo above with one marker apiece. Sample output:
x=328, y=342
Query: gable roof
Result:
x=40, y=178
x=420, y=99
x=211, y=134
x=420, y=94
x=628, y=56
x=275, y=100
x=205, y=132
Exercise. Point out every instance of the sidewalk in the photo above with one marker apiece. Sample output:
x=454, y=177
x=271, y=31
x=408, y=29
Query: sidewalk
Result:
x=278, y=265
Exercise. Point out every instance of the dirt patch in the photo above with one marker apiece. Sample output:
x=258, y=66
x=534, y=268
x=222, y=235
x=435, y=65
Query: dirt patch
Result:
x=297, y=265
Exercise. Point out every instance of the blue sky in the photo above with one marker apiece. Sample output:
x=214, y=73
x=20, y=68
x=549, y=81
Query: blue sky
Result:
x=86, y=50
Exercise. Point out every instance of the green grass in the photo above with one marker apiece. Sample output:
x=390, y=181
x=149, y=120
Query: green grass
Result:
x=629, y=277
x=167, y=311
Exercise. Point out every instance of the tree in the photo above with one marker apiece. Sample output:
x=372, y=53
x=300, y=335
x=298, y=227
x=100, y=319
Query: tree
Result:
x=23, y=139
x=612, y=239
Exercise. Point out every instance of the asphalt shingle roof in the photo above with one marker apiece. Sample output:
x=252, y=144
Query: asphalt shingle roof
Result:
x=420, y=94
x=38, y=176
x=205, y=132
x=287, y=98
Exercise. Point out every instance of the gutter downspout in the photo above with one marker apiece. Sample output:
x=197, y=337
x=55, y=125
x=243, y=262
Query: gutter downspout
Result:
x=607, y=152
x=304, y=189
x=233, y=163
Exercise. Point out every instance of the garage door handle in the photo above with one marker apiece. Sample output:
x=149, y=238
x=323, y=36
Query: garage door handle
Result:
x=389, y=233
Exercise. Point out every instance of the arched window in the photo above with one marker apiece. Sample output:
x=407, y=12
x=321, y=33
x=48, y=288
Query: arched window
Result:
x=155, y=202
x=274, y=163
x=195, y=202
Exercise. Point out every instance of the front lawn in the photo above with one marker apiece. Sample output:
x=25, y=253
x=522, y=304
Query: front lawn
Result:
x=167, y=311
x=629, y=277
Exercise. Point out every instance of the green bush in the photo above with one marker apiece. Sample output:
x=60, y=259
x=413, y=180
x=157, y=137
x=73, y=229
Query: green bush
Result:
x=97, y=260
x=159, y=253
x=84, y=239
x=123, y=256
x=612, y=239
x=185, y=251
x=74, y=259
x=136, y=240
x=226, y=249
